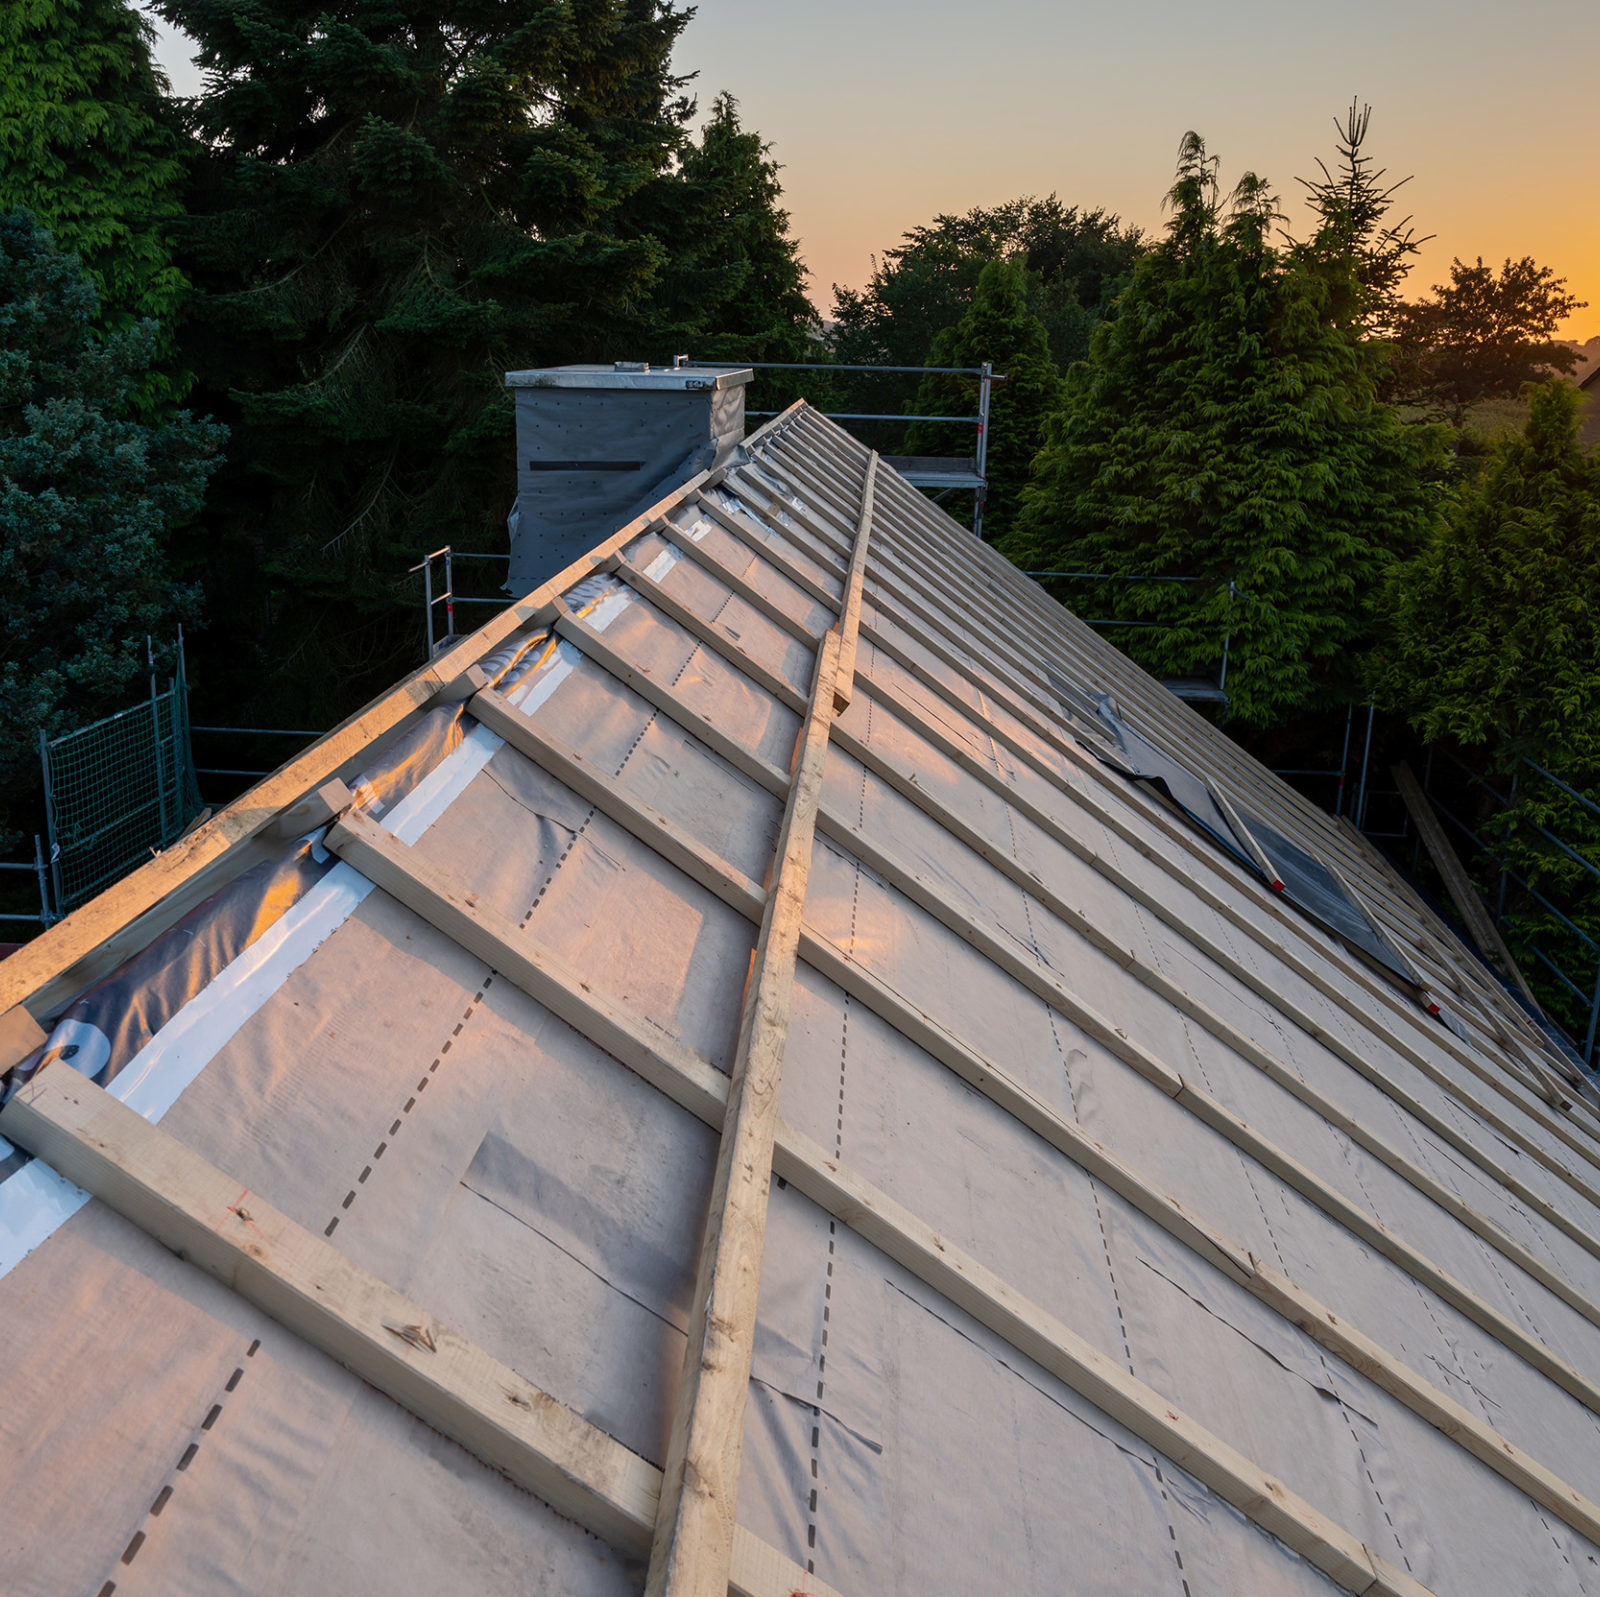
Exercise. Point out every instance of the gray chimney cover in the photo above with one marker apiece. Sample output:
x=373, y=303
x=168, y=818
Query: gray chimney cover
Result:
x=596, y=445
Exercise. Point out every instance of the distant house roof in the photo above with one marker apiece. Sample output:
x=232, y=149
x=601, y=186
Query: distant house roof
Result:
x=1590, y=377
x=794, y=1060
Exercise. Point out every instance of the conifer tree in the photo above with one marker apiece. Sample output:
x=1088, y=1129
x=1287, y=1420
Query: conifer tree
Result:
x=1225, y=429
x=999, y=328
x=89, y=491
x=1492, y=629
x=86, y=146
x=1491, y=640
x=733, y=284
x=1352, y=204
x=394, y=207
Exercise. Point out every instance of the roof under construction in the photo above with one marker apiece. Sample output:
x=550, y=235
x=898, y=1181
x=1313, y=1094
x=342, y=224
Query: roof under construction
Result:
x=786, y=1064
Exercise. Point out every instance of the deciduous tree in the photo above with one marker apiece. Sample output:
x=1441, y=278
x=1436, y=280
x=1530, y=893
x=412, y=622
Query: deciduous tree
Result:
x=1484, y=334
x=88, y=147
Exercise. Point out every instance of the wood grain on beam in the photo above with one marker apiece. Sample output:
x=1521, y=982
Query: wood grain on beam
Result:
x=850, y=619
x=394, y=1344
x=693, y=1540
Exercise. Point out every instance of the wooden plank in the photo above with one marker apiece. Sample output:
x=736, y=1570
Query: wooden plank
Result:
x=597, y=786
x=394, y=1344
x=1201, y=1236
x=20, y=1034
x=690, y=1554
x=1456, y=881
x=211, y=1219
x=65, y=957
x=576, y=631
x=850, y=619
x=758, y=545
x=1247, y=839
x=445, y=903
x=1054, y=1347
x=931, y=896
x=758, y=601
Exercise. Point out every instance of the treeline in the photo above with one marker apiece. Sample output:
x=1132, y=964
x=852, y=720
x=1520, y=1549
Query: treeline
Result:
x=251, y=348
x=331, y=254
x=1259, y=444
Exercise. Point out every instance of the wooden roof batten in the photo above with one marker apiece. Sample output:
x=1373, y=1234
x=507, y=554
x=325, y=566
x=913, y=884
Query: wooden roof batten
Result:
x=926, y=575
x=684, y=1516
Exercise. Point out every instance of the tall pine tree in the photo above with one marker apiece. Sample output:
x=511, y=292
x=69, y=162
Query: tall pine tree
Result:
x=394, y=205
x=999, y=328
x=1225, y=429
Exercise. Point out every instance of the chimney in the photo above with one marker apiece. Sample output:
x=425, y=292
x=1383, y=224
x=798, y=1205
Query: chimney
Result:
x=598, y=444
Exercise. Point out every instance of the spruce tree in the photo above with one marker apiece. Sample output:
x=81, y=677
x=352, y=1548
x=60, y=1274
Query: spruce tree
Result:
x=394, y=206
x=1492, y=629
x=1352, y=204
x=89, y=492
x=733, y=285
x=999, y=328
x=1225, y=429
x=87, y=147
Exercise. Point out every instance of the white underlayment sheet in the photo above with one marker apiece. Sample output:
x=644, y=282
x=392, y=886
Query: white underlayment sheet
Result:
x=451, y=1136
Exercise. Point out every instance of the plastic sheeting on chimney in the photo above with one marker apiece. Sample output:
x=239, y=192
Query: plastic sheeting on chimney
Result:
x=598, y=444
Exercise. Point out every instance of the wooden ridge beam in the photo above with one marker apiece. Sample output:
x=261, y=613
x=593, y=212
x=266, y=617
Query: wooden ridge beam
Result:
x=1201, y=1236
x=213, y=1221
x=1048, y=987
x=693, y=1543
x=850, y=616
x=1150, y=976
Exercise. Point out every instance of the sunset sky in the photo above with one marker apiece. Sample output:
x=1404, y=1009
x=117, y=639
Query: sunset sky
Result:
x=886, y=112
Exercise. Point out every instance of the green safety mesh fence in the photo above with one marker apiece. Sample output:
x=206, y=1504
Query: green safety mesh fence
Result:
x=117, y=791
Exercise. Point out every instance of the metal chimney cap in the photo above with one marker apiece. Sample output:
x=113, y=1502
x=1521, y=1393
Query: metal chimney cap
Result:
x=625, y=374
